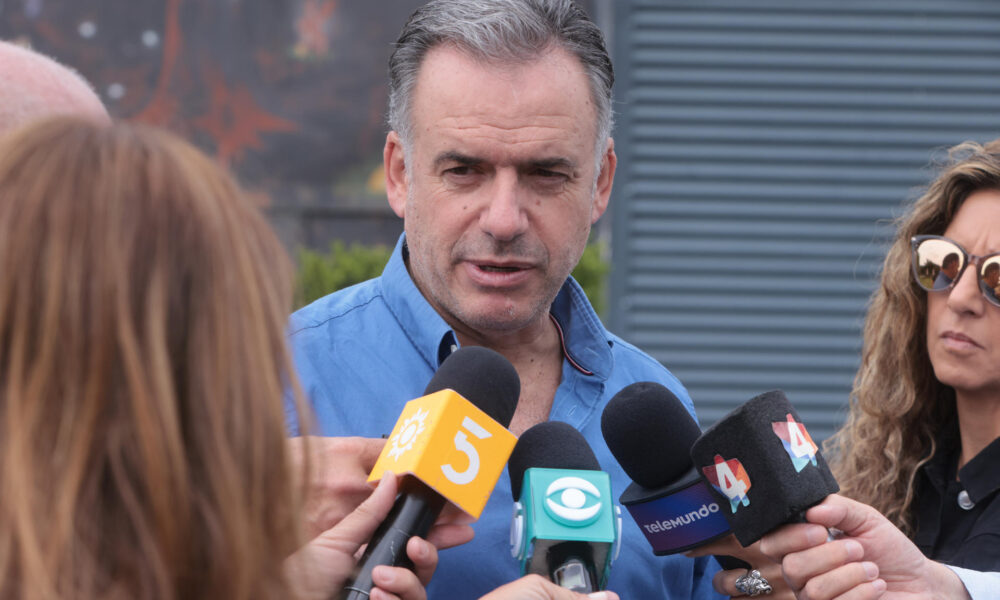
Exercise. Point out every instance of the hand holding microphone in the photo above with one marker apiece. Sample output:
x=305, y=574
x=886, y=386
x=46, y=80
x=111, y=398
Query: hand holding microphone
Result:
x=336, y=477
x=650, y=433
x=762, y=466
x=565, y=526
x=764, y=470
x=871, y=558
x=320, y=568
x=677, y=504
x=452, y=444
x=536, y=587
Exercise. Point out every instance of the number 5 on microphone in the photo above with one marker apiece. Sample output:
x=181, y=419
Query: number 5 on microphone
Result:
x=462, y=445
x=449, y=444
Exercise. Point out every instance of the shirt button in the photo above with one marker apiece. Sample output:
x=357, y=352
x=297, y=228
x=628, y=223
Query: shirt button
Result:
x=964, y=501
x=454, y=348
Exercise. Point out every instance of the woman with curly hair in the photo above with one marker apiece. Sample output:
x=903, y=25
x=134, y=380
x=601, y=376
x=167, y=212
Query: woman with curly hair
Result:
x=922, y=440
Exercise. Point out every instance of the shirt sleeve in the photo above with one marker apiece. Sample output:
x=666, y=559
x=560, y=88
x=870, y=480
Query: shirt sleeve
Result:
x=981, y=585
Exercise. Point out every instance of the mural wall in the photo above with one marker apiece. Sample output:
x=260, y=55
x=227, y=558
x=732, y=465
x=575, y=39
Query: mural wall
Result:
x=290, y=94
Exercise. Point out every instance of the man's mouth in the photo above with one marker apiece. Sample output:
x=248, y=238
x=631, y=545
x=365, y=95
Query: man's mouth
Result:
x=496, y=269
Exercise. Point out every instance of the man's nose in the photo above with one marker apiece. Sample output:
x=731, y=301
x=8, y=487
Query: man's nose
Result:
x=503, y=217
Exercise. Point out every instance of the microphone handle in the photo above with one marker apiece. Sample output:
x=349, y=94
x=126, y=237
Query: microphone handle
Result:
x=729, y=563
x=414, y=512
x=571, y=566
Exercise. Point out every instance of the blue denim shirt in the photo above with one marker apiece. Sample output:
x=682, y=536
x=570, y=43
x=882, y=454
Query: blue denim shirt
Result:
x=363, y=352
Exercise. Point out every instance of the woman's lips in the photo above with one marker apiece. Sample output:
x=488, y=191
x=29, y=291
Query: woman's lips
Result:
x=959, y=341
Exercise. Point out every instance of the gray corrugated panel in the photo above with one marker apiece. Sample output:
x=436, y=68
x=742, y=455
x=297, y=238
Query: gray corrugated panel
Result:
x=928, y=136
x=725, y=265
x=943, y=99
x=756, y=369
x=790, y=244
x=889, y=119
x=755, y=320
x=671, y=300
x=765, y=148
x=846, y=43
x=827, y=155
x=648, y=200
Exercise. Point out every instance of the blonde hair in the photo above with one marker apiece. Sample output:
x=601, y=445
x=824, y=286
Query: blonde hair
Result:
x=897, y=407
x=142, y=364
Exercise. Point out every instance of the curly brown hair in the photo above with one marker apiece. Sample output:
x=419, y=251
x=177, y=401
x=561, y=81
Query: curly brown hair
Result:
x=897, y=406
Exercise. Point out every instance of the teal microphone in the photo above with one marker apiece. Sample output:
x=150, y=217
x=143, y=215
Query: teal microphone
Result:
x=566, y=526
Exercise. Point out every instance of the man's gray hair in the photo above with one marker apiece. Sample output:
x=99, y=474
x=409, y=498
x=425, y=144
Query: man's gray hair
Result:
x=499, y=31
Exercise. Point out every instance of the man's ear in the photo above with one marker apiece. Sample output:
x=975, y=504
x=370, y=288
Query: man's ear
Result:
x=394, y=164
x=605, y=179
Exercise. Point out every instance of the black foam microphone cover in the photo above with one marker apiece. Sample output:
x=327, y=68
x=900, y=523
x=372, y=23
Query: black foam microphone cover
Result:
x=549, y=445
x=481, y=376
x=763, y=466
x=650, y=433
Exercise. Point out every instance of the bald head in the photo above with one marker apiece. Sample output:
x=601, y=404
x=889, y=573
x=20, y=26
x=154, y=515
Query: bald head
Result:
x=33, y=86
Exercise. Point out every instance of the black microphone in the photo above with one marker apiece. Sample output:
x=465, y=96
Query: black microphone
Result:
x=762, y=466
x=436, y=427
x=566, y=526
x=650, y=434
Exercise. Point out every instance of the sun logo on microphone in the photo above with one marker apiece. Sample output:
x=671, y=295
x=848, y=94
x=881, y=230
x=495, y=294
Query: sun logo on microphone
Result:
x=794, y=437
x=408, y=433
x=730, y=479
x=567, y=498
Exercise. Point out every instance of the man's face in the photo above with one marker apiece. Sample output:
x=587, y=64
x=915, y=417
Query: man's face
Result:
x=500, y=189
x=950, y=269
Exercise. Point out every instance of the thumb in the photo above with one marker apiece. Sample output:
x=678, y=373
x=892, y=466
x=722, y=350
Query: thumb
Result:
x=356, y=529
x=536, y=587
x=849, y=516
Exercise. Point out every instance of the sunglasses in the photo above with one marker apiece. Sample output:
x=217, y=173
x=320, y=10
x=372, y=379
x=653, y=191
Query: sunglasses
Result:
x=939, y=262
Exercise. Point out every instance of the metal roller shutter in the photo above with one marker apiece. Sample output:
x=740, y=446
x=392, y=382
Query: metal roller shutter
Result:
x=764, y=148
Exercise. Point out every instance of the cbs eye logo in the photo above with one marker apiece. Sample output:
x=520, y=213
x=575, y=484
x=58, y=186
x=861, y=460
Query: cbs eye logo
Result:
x=573, y=501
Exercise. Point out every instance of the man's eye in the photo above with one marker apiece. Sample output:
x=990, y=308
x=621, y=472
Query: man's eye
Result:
x=548, y=176
x=460, y=171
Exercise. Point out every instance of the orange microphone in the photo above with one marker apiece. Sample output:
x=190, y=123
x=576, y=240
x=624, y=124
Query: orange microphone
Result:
x=451, y=444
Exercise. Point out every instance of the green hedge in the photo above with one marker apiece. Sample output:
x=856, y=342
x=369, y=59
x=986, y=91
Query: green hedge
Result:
x=323, y=273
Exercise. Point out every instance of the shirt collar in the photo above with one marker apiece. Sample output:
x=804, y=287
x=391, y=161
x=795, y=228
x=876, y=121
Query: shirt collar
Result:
x=427, y=331
x=980, y=476
x=941, y=466
x=586, y=344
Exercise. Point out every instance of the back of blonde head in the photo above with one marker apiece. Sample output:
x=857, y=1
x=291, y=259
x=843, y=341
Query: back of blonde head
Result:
x=898, y=408
x=142, y=363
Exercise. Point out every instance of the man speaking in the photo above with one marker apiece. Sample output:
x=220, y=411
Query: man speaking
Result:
x=499, y=161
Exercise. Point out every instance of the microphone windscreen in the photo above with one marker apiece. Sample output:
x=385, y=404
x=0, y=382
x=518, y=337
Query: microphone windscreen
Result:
x=763, y=466
x=650, y=433
x=483, y=377
x=549, y=445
